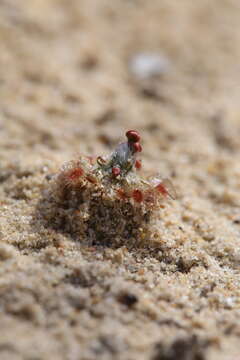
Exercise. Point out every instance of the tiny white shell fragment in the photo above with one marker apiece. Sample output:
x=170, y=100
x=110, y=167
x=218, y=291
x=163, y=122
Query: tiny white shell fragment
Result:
x=147, y=65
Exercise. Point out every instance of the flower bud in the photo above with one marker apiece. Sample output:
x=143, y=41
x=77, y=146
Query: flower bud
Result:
x=133, y=136
x=137, y=147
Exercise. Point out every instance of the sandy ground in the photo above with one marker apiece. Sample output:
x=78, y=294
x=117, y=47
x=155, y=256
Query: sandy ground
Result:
x=65, y=88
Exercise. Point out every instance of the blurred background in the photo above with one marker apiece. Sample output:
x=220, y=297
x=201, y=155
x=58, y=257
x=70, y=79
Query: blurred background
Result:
x=74, y=75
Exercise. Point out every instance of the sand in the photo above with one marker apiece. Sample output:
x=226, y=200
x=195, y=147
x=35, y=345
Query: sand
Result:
x=66, y=88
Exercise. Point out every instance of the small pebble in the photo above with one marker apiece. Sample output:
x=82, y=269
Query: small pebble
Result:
x=7, y=252
x=128, y=299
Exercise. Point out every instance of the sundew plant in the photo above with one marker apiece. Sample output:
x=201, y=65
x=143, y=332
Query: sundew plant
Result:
x=107, y=200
